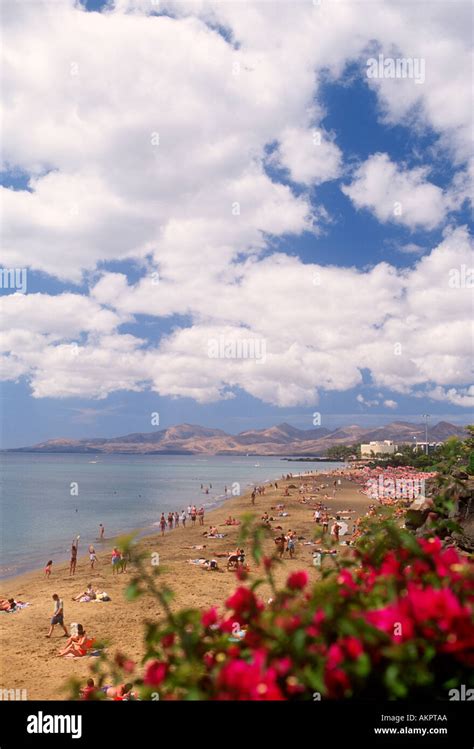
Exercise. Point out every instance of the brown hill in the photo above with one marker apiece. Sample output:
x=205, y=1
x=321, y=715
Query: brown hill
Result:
x=278, y=440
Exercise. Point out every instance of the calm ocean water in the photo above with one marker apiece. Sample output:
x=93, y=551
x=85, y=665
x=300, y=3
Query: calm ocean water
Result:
x=39, y=516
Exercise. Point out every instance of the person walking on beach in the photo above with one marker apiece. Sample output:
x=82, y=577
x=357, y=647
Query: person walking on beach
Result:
x=183, y=518
x=176, y=519
x=58, y=616
x=73, y=562
x=92, y=556
x=201, y=515
x=101, y=532
x=170, y=520
x=163, y=523
x=189, y=511
x=193, y=515
x=280, y=544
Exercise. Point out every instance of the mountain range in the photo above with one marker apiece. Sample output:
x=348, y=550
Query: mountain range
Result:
x=283, y=439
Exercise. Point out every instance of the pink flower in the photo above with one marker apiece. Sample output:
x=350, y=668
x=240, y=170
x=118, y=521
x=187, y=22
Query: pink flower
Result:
x=353, y=647
x=297, y=580
x=390, y=565
x=345, y=578
x=335, y=656
x=155, y=673
x=336, y=681
x=240, y=680
x=209, y=617
x=394, y=620
x=168, y=640
x=439, y=605
x=244, y=601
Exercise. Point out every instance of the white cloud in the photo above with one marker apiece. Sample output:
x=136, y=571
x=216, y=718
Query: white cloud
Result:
x=399, y=195
x=368, y=403
x=457, y=396
x=321, y=326
x=390, y=403
x=309, y=154
x=145, y=135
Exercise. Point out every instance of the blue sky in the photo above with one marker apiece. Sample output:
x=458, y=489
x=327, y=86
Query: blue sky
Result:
x=329, y=344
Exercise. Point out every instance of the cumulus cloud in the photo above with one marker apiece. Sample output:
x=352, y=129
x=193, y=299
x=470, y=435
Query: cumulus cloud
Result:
x=149, y=141
x=318, y=327
x=310, y=155
x=396, y=194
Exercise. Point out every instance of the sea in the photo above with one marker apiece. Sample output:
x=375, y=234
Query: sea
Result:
x=46, y=500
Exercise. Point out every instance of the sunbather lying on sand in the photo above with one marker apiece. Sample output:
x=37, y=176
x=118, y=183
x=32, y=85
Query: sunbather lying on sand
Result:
x=10, y=605
x=197, y=547
x=120, y=693
x=205, y=564
x=7, y=604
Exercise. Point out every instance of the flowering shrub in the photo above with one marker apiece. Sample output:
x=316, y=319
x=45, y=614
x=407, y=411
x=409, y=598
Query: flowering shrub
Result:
x=393, y=620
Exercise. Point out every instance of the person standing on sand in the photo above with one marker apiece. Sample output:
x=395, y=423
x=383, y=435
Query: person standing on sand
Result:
x=335, y=531
x=280, y=544
x=92, y=556
x=163, y=523
x=47, y=569
x=325, y=523
x=193, y=515
x=58, y=616
x=170, y=520
x=253, y=497
x=73, y=562
x=176, y=520
x=116, y=559
x=201, y=515
x=183, y=518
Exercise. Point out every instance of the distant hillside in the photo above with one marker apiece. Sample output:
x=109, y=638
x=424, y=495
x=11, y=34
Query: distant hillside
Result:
x=283, y=439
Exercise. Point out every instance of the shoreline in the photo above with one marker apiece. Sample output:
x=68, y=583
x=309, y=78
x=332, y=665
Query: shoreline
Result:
x=121, y=622
x=144, y=531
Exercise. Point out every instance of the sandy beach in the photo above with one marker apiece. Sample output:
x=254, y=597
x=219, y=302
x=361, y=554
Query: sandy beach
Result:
x=28, y=658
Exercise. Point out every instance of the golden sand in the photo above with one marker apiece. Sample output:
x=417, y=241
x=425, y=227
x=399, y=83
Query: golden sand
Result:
x=28, y=659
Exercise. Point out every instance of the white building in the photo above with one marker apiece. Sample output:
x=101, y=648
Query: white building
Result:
x=369, y=449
